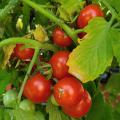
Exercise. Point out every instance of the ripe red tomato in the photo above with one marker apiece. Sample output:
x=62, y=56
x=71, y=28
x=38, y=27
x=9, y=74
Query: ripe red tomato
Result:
x=81, y=108
x=60, y=38
x=68, y=91
x=88, y=13
x=37, y=89
x=58, y=63
x=22, y=53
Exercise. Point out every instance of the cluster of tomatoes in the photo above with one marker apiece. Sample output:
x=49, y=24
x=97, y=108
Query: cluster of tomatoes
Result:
x=68, y=91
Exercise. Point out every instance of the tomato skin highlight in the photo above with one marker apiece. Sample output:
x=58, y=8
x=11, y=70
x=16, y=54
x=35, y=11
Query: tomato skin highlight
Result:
x=81, y=109
x=68, y=91
x=58, y=63
x=60, y=38
x=88, y=13
x=37, y=89
x=22, y=53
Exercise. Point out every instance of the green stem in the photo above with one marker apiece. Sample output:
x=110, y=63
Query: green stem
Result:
x=28, y=73
x=79, y=31
x=53, y=18
x=111, y=21
x=47, y=6
x=116, y=25
x=114, y=14
x=33, y=43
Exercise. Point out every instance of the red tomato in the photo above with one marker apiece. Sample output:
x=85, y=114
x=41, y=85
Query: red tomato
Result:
x=88, y=13
x=22, y=53
x=37, y=89
x=81, y=108
x=58, y=63
x=60, y=38
x=68, y=91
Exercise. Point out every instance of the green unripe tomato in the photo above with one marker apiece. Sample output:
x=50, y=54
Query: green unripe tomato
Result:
x=27, y=105
x=10, y=98
x=54, y=101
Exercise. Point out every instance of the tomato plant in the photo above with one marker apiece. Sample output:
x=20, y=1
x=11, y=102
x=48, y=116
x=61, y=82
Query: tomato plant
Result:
x=68, y=91
x=37, y=89
x=59, y=59
x=58, y=62
x=60, y=38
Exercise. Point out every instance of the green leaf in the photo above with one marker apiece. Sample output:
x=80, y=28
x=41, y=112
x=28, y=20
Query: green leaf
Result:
x=53, y=111
x=42, y=1
x=72, y=6
x=116, y=43
x=6, y=10
x=23, y=115
x=1, y=114
x=39, y=116
x=115, y=4
x=1, y=55
x=113, y=84
x=116, y=115
x=26, y=17
x=99, y=110
x=117, y=108
x=5, y=78
x=94, y=54
x=4, y=114
x=90, y=87
x=2, y=28
x=40, y=19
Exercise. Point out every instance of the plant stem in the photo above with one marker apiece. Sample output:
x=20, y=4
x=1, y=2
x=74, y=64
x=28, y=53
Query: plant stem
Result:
x=33, y=43
x=28, y=73
x=111, y=21
x=116, y=25
x=53, y=18
x=79, y=31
